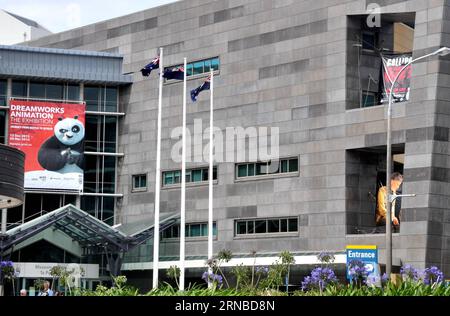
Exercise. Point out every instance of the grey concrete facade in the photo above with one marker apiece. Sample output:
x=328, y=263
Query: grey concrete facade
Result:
x=287, y=64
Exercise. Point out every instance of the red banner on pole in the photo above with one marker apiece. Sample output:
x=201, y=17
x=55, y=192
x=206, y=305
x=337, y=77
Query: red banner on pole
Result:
x=51, y=135
x=391, y=67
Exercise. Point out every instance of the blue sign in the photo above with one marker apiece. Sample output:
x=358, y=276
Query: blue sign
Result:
x=367, y=254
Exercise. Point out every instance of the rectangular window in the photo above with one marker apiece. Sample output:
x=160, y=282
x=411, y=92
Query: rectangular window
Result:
x=99, y=174
x=260, y=227
x=3, y=87
x=19, y=89
x=101, y=207
x=192, y=230
x=45, y=90
x=54, y=91
x=37, y=90
x=192, y=175
x=273, y=226
x=369, y=99
x=289, y=165
x=196, y=175
x=100, y=133
x=293, y=165
x=139, y=182
x=101, y=98
x=3, y=115
x=42, y=90
x=369, y=40
x=293, y=225
x=241, y=228
x=242, y=171
x=72, y=93
x=201, y=67
x=266, y=226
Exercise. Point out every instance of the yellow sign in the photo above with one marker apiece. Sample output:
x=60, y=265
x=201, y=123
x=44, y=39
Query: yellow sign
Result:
x=361, y=247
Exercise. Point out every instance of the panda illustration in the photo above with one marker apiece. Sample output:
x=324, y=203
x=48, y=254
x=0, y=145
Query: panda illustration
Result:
x=63, y=152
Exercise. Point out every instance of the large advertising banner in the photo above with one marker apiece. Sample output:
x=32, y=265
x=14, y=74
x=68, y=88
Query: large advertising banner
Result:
x=52, y=137
x=392, y=65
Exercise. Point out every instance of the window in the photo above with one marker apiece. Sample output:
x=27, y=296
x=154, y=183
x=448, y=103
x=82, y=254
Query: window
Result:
x=139, y=182
x=201, y=67
x=3, y=115
x=3, y=86
x=192, y=176
x=101, y=207
x=46, y=90
x=192, y=230
x=100, y=133
x=266, y=226
x=369, y=40
x=99, y=174
x=38, y=204
x=288, y=165
x=101, y=98
x=19, y=89
x=369, y=99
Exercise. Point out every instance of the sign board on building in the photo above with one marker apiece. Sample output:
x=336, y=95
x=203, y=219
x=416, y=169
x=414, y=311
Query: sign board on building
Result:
x=51, y=135
x=42, y=270
x=392, y=64
x=368, y=254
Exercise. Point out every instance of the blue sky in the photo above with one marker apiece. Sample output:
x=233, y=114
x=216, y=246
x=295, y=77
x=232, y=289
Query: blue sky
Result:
x=61, y=15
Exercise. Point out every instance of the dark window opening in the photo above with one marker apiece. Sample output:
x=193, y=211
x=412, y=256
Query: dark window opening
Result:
x=266, y=226
x=366, y=47
x=365, y=175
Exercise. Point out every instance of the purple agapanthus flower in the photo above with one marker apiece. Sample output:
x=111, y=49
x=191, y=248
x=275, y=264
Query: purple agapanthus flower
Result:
x=373, y=280
x=5, y=264
x=384, y=278
x=432, y=275
x=212, y=277
x=7, y=269
x=320, y=278
x=325, y=257
x=358, y=271
x=409, y=272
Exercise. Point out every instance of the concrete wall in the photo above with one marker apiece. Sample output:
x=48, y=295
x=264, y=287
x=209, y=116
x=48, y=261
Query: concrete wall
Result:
x=307, y=41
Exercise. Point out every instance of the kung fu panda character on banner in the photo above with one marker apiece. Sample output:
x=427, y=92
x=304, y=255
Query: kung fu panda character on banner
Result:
x=63, y=152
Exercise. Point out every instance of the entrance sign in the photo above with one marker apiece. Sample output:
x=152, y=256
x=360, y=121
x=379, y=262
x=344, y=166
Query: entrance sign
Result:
x=51, y=135
x=368, y=254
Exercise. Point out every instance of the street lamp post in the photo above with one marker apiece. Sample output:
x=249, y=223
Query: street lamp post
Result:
x=391, y=197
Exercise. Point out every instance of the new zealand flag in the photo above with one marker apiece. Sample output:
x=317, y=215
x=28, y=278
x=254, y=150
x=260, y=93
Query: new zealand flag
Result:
x=204, y=86
x=148, y=68
x=176, y=73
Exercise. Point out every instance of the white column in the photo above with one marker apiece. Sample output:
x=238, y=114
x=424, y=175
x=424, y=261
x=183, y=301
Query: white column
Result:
x=158, y=177
x=183, y=186
x=211, y=172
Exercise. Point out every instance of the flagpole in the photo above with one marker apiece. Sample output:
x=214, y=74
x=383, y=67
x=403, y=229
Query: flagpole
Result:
x=183, y=186
x=158, y=178
x=211, y=173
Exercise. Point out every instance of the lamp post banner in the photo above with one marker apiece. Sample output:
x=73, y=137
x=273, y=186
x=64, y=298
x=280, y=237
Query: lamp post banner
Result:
x=392, y=64
x=51, y=135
